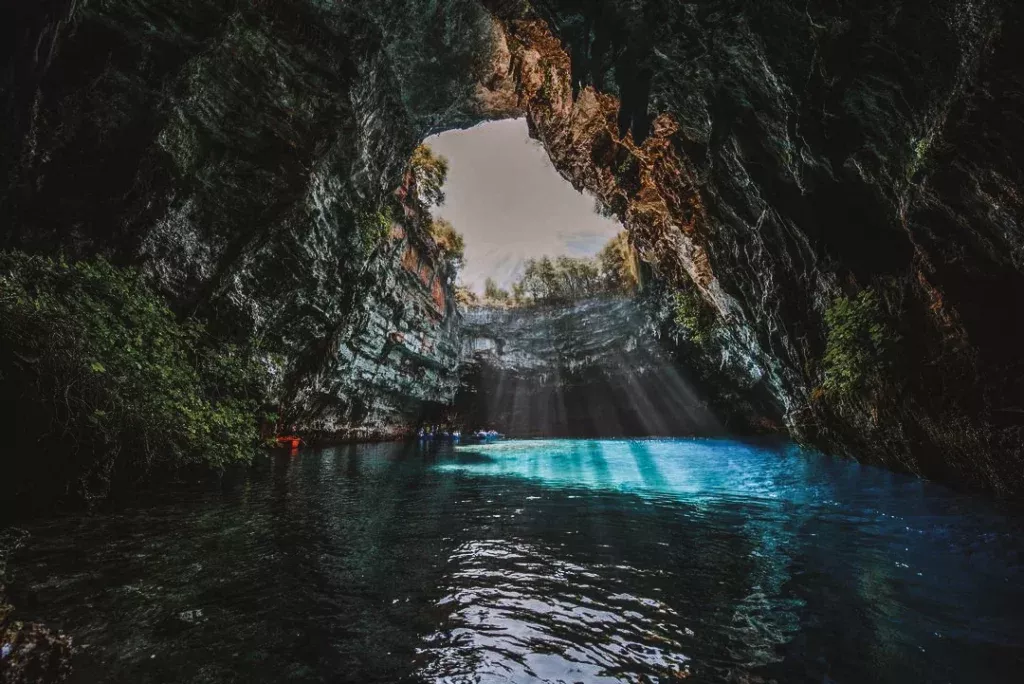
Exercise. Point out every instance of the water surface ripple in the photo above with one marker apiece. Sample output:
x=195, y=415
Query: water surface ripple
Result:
x=540, y=561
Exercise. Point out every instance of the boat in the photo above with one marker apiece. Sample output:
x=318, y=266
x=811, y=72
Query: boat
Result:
x=483, y=437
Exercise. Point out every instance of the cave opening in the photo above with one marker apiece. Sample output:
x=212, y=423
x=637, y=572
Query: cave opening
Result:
x=558, y=338
x=503, y=195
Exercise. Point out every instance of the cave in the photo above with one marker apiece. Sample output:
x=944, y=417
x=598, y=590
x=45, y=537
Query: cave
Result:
x=214, y=240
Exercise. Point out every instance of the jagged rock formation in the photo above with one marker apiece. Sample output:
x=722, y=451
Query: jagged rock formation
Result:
x=777, y=155
x=591, y=368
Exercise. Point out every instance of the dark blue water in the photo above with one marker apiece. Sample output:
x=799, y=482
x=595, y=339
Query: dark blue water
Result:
x=546, y=561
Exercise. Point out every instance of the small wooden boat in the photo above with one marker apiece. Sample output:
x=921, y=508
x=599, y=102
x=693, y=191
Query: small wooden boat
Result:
x=289, y=440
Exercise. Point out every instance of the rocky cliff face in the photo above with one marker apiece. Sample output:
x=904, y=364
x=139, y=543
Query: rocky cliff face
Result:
x=396, y=360
x=779, y=156
x=245, y=155
x=594, y=368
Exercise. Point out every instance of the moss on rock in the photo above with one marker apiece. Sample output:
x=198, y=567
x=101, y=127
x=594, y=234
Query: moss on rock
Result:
x=104, y=382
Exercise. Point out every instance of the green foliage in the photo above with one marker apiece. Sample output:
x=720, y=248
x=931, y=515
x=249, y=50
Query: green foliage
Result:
x=430, y=172
x=563, y=279
x=449, y=241
x=693, y=315
x=104, y=379
x=566, y=279
x=374, y=227
x=858, y=344
x=494, y=294
x=618, y=264
x=919, y=150
x=465, y=296
x=603, y=210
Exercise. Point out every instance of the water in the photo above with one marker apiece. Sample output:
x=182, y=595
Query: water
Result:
x=546, y=561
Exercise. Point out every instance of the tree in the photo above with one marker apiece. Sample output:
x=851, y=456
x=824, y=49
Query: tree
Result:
x=493, y=293
x=559, y=280
x=465, y=296
x=430, y=171
x=618, y=264
x=449, y=241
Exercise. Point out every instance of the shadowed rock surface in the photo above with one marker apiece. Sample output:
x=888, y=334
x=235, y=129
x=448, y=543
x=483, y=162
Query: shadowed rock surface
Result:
x=245, y=155
x=593, y=368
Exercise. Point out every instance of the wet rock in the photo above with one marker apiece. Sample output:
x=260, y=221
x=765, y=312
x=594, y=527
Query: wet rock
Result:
x=591, y=368
x=29, y=653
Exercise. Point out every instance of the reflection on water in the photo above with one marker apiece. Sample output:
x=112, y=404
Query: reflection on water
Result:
x=672, y=468
x=543, y=561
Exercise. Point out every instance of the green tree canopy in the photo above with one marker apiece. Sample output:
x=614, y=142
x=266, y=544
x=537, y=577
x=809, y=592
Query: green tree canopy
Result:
x=493, y=293
x=105, y=381
x=618, y=264
x=566, y=279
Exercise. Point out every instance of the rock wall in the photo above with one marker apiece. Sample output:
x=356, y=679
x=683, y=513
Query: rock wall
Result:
x=775, y=155
x=245, y=155
x=592, y=368
x=397, y=362
x=780, y=155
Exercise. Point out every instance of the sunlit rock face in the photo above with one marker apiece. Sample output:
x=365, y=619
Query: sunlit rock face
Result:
x=595, y=367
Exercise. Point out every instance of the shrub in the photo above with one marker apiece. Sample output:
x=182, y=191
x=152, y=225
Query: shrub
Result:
x=103, y=381
x=693, y=315
x=449, y=241
x=430, y=172
x=373, y=227
x=858, y=344
x=494, y=294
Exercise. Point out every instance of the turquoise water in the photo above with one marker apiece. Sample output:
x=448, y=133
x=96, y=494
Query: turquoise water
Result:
x=540, y=561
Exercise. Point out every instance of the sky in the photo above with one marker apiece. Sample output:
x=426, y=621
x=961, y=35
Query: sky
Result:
x=510, y=204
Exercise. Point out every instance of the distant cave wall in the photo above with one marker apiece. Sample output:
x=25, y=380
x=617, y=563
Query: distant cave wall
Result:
x=594, y=368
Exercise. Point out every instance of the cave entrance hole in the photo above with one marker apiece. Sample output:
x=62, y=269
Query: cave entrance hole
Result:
x=590, y=365
x=504, y=196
